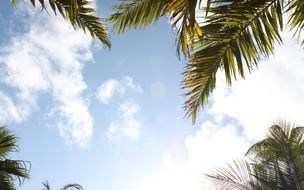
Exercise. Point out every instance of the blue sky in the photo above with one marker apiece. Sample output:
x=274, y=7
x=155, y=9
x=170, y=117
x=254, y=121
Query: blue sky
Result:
x=114, y=119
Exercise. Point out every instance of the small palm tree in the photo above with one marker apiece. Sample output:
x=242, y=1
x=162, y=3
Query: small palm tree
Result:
x=79, y=13
x=276, y=162
x=10, y=170
x=66, y=187
x=227, y=35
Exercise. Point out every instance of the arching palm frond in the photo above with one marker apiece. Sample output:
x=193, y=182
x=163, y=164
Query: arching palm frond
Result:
x=141, y=13
x=11, y=170
x=296, y=20
x=8, y=142
x=235, y=36
x=72, y=186
x=46, y=186
x=235, y=176
x=136, y=14
x=80, y=14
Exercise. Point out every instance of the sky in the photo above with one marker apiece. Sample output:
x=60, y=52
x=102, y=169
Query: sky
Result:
x=114, y=119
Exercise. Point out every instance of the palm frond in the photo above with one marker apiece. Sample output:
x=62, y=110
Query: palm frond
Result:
x=80, y=14
x=15, y=170
x=8, y=142
x=46, y=185
x=136, y=14
x=141, y=13
x=235, y=36
x=296, y=20
x=72, y=186
x=234, y=176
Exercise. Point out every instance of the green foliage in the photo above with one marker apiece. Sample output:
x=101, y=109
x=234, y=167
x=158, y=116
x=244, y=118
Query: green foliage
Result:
x=275, y=163
x=10, y=170
x=80, y=14
x=141, y=13
x=233, y=37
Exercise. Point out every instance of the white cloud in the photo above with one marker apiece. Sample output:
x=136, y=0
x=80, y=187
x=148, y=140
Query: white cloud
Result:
x=128, y=82
x=275, y=90
x=49, y=58
x=8, y=110
x=109, y=88
x=210, y=147
x=127, y=126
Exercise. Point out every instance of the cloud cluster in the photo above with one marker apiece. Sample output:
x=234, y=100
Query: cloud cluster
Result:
x=48, y=58
x=127, y=125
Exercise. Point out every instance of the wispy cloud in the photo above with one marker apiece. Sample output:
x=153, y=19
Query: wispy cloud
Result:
x=109, y=88
x=49, y=58
x=127, y=125
x=106, y=90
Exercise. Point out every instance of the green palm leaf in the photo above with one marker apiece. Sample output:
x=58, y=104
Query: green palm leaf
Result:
x=11, y=170
x=235, y=36
x=80, y=14
x=141, y=13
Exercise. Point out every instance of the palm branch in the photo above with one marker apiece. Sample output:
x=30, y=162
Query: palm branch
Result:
x=65, y=187
x=11, y=170
x=141, y=13
x=80, y=14
x=235, y=36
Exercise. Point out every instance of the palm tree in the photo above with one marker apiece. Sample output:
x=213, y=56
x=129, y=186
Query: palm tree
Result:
x=233, y=36
x=10, y=170
x=80, y=14
x=276, y=162
x=66, y=187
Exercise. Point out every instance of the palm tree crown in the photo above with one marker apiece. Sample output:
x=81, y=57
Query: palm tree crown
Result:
x=232, y=37
x=276, y=162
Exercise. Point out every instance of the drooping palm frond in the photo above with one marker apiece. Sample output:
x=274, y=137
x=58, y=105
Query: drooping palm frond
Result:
x=141, y=13
x=136, y=14
x=80, y=14
x=296, y=20
x=11, y=170
x=234, y=176
x=235, y=36
x=8, y=142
